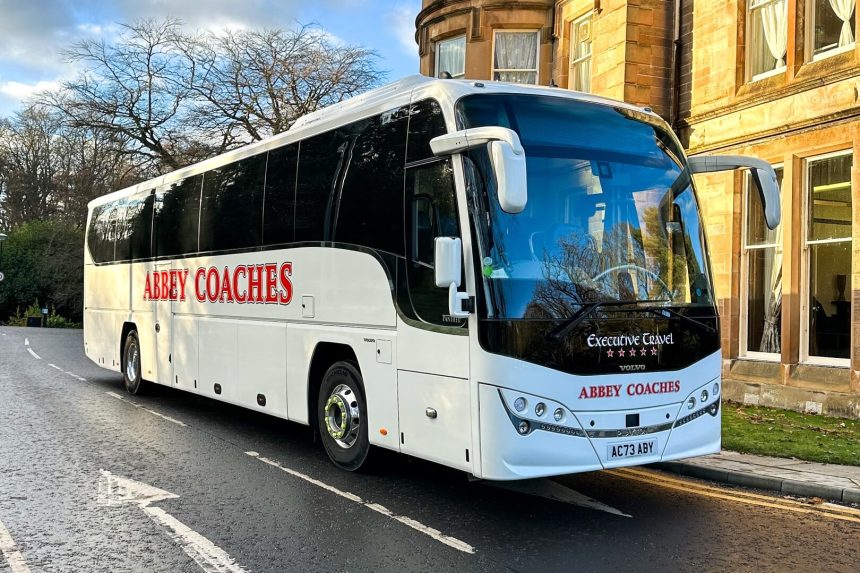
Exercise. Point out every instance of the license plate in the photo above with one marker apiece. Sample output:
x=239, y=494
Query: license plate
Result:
x=631, y=449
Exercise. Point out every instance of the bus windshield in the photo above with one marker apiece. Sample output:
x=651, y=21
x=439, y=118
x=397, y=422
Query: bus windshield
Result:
x=611, y=216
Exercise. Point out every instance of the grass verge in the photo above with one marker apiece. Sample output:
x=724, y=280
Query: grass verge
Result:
x=786, y=434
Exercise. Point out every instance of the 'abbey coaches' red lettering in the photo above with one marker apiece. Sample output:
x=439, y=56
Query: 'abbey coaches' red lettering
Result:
x=268, y=283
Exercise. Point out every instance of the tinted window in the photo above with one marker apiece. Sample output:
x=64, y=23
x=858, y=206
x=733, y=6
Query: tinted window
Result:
x=431, y=211
x=231, y=208
x=371, y=204
x=320, y=172
x=176, y=217
x=426, y=122
x=139, y=218
x=100, y=235
x=280, y=198
x=134, y=228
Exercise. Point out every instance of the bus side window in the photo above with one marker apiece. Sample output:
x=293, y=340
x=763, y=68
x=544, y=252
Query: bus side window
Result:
x=280, y=196
x=177, y=217
x=232, y=205
x=100, y=239
x=139, y=221
x=319, y=167
x=431, y=212
x=425, y=122
x=370, y=213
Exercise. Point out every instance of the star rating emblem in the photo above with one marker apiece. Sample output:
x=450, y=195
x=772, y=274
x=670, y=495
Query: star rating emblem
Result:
x=609, y=353
x=653, y=351
x=621, y=353
x=642, y=352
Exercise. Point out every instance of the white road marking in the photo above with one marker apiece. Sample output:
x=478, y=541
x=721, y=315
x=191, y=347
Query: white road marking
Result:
x=11, y=553
x=553, y=490
x=115, y=490
x=416, y=525
x=55, y=366
x=30, y=350
x=73, y=375
x=153, y=412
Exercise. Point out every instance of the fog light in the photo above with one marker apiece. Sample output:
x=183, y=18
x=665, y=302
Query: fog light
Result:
x=691, y=403
x=704, y=395
x=520, y=404
x=558, y=415
x=523, y=428
x=716, y=388
x=540, y=409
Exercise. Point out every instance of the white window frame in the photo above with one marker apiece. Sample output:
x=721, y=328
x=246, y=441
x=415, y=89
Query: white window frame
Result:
x=749, y=35
x=536, y=69
x=444, y=41
x=810, y=36
x=573, y=62
x=805, y=289
x=743, y=352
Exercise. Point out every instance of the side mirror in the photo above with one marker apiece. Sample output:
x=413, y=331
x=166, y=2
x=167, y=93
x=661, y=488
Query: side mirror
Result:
x=511, y=180
x=448, y=257
x=506, y=153
x=763, y=176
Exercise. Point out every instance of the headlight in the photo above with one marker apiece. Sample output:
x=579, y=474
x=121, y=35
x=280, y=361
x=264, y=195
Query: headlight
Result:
x=691, y=403
x=704, y=396
x=540, y=409
x=558, y=415
x=716, y=389
x=523, y=427
x=520, y=404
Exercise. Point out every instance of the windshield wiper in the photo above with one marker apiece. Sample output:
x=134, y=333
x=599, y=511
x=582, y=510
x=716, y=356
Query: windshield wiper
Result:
x=664, y=311
x=588, y=309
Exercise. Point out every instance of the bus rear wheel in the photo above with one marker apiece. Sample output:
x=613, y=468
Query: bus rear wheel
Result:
x=131, y=374
x=342, y=417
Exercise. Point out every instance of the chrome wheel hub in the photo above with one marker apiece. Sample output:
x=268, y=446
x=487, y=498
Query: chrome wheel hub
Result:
x=342, y=416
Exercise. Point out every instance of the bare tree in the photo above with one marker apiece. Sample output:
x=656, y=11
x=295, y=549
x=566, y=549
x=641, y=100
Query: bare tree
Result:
x=131, y=89
x=248, y=85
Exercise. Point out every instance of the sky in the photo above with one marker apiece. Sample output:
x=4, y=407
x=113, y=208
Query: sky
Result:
x=34, y=32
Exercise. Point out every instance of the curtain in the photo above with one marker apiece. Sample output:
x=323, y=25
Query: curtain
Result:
x=844, y=9
x=516, y=51
x=770, y=338
x=452, y=57
x=774, y=20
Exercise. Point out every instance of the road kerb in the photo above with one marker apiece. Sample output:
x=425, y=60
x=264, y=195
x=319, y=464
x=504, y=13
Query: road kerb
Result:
x=786, y=486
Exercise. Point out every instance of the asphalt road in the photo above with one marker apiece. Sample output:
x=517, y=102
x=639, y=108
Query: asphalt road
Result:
x=69, y=435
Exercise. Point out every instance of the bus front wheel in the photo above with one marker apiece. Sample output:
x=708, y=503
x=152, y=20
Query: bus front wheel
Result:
x=342, y=416
x=131, y=375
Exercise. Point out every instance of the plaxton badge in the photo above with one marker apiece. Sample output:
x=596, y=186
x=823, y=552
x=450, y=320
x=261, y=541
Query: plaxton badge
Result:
x=268, y=283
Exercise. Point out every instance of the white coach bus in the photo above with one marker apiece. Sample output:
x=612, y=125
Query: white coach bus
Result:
x=508, y=280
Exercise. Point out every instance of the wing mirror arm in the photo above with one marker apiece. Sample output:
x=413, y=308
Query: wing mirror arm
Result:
x=506, y=155
x=763, y=175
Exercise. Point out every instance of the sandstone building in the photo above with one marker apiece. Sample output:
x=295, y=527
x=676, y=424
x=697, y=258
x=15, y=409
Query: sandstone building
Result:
x=776, y=79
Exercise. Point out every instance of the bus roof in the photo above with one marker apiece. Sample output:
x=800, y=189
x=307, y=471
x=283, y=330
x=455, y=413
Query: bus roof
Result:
x=395, y=94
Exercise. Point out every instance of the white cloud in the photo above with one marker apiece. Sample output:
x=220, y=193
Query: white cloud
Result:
x=402, y=21
x=20, y=91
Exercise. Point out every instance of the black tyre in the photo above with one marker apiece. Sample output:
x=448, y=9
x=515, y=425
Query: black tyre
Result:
x=342, y=417
x=131, y=374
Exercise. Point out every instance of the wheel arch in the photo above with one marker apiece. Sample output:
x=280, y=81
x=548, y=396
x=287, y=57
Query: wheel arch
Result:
x=325, y=354
x=127, y=327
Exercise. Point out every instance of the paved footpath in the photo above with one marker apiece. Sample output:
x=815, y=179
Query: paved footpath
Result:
x=786, y=475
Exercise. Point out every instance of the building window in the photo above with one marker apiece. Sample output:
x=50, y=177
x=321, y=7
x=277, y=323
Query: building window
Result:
x=515, y=57
x=832, y=26
x=580, y=54
x=828, y=259
x=762, y=299
x=451, y=57
x=767, y=30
